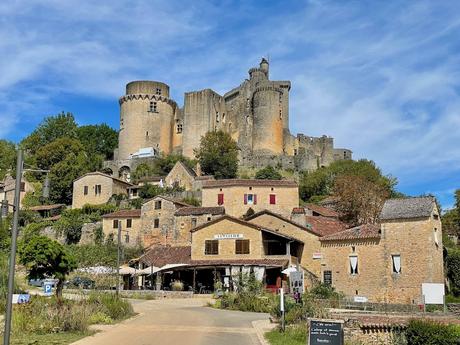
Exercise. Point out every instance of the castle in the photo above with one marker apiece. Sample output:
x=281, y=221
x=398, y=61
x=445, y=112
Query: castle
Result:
x=255, y=114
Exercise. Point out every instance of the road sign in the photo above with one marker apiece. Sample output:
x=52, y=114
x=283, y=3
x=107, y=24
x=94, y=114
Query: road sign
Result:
x=323, y=331
x=48, y=288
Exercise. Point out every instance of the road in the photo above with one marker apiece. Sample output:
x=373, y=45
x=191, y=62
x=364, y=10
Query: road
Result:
x=184, y=322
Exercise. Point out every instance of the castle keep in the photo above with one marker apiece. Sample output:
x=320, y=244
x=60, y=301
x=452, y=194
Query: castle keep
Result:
x=255, y=114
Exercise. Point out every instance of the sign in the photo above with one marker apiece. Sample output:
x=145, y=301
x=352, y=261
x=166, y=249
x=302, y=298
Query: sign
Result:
x=296, y=282
x=327, y=332
x=360, y=299
x=21, y=298
x=317, y=256
x=48, y=288
x=433, y=293
x=227, y=236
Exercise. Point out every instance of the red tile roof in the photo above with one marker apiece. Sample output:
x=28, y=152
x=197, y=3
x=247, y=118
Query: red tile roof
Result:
x=324, y=226
x=104, y=175
x=364, y=231
x=254, y=262
x=159, y=256
x=124, y=214
x=298, y=210
x=323, y=211
x=250, y=183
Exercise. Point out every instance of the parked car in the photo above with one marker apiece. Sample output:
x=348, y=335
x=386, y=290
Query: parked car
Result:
x=81, y=283
x=41, y=282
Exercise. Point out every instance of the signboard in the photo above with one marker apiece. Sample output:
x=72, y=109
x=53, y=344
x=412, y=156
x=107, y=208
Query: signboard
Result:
x=227, y=236
x=360, y=299
x=433, y=293
x=323, y=332
x=48, y=288
x=21, y=298
x=296, y=282
x=317, y=256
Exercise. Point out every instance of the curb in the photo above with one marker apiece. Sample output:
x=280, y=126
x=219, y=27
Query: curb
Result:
x=261, y=327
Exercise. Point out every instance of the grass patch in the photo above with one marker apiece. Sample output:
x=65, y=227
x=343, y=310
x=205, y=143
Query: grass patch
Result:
x=294, y=335
x=49, y=339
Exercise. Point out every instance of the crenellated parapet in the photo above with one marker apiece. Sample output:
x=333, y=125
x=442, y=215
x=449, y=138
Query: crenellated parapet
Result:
x=148, y=97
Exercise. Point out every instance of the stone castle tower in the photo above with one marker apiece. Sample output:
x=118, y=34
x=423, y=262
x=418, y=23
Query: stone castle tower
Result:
x=255, y=114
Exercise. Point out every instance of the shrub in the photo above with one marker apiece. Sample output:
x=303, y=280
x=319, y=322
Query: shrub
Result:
x=268, y=173
x=177, y=285
x=453, y=270
x=324, y=291
x=110, y=304
x=424, y=332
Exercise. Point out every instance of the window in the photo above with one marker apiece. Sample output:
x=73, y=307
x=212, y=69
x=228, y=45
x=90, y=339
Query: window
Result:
x=158, y=91
x=23, y=186
x=281, y=114
x=241, y=246
x=217, y=117
x=435, y=237
x=153, y=107
x=327, y=277
x=126, y=238
x=115, y=223
x=129, y=223
x=211, y=247
x=156, y=223
x=353, y=264
x=272, y=199
x=220, y=199
x=147, y=133
x=435, y=216
x=179, y=128
x=158, y=205
x=209, y=219
x=97, y=189
x=85, y=190
x=223, y=118
x=396, y=259
x=193, y=222
x=250, y=199
x=295, y=152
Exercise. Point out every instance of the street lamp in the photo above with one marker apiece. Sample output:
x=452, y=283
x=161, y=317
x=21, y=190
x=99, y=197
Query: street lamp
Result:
x=119, y=255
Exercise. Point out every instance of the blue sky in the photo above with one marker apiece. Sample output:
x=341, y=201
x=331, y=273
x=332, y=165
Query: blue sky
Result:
x=381, y=77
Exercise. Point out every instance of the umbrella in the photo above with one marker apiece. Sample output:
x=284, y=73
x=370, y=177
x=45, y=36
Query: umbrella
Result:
x=289, y=270
x=148, y=270
x=125, y=270
x=171, y=266
x=97, y=270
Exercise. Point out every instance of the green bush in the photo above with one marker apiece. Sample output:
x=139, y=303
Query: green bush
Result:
x=324, y=291
x=110, y=304
x=453, y=270
x=424, y=332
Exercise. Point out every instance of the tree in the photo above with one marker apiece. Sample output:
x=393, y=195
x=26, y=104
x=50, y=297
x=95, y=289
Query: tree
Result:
x=70, y=224
x=321, y=181
x=359, y=200
x=143, y=170
x=56, y=151
x=163, y=165
x=7, y=157
x=98, y=139
x=50, y=129
x=45, y=258
x=218, y=155
x=268, y=173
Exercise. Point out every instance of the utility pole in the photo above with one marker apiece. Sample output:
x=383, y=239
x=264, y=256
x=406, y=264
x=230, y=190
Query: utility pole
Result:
x=14, y=236
x=118, y=256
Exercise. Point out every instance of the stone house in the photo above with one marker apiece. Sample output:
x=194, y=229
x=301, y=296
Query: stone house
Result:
x=9, y=185
x=387, y=262
x=158, y=221
x=238, y=196
x=181, y=176
x=130, y=221
x=49, y=212
x=320, y=211
x=96, y=188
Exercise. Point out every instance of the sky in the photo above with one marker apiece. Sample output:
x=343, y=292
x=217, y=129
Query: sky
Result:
x=381, y=77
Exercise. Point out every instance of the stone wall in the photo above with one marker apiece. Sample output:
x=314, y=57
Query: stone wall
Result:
x=87, y=232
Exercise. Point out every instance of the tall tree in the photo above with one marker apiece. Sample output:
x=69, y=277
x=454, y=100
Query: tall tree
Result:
x=98, y=139
x=45, y=258
x=7, y=157
x=56, y=151
x=359, y=200
x=218, y=155
x=268, y=173
x=50, y=129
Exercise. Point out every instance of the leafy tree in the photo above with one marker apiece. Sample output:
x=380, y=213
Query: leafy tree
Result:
x=268, y=173
x=453, y=270
x=218, y=155
x=321, y=182
x=50, y=129
x=33, y=198
x=98, y=139
x=7, y=157
x=44, y=258
x=70, y=225
x=163, y=165
x=359, y=200
x=56, y=151
x=143, y=170
x=148, y=191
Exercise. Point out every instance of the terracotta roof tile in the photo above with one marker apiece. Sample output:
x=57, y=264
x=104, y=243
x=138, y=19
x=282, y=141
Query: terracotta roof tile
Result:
x=252, y=183
x=323, y=211
x=105, y=175
x=159, y=256
x=364, y=231
x=325, y=226
x=124, y=214
x=298, y=210
x=195, y=211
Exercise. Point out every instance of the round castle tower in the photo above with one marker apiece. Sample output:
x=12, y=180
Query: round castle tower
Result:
x=146, y=118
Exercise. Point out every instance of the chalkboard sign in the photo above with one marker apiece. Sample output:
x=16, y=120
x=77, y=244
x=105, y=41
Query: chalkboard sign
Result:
x=325, y=332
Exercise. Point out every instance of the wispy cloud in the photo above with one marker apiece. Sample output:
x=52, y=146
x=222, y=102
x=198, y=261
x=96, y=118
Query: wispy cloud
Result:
x=382, y=78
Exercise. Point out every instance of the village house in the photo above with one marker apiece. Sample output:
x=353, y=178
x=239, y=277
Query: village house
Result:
x=387, y=262
x=320, y=211
x=97, y=188
x=240, y=196
x=8, y=188
x=129, y=222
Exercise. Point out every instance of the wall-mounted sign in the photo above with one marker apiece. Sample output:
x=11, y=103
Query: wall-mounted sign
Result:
x=325, y=332
x=227, y=236
x=317, y=255
x=360, y=299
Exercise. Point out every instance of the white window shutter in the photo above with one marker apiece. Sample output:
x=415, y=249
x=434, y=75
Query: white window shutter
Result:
x=354, y=264
x=397, y=263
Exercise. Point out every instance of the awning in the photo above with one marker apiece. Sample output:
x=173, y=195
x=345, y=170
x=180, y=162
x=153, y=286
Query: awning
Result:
x=125, y=270
x=171, y=266
x=289, y=270
x=148, y=270
x=98, y=270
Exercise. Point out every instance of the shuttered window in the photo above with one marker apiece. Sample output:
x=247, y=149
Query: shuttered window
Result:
x=272, y=199
x=211, y=247
x=327, y=277
x=129, y=223
x=220, y=199
x=156, y=223
x=242, y=247
x=115, y=223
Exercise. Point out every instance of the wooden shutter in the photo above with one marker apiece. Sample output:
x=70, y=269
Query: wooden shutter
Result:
x=220, y=199
x=255, y=199
x=245, y=199
x=272, y=199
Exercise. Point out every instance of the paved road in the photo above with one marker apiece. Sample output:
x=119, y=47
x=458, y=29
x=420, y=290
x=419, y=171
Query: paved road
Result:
x=184, y=322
